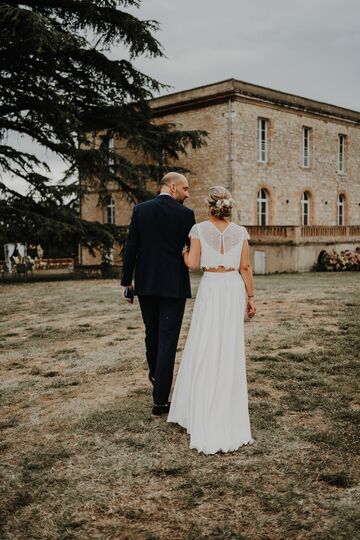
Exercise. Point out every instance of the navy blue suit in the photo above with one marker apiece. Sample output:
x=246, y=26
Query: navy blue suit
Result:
x=158, y=231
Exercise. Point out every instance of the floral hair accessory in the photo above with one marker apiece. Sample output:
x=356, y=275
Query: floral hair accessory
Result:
x=224, y=202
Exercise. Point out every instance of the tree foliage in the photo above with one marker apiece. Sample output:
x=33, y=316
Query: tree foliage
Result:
x=59, y=84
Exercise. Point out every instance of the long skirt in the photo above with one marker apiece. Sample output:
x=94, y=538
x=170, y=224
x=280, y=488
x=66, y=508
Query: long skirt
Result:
x=210, y=398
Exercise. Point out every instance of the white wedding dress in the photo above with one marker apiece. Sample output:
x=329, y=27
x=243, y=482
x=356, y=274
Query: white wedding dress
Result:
x=210, y=398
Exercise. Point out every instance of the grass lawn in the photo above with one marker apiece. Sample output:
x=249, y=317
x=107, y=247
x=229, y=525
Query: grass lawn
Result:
x=82, y=458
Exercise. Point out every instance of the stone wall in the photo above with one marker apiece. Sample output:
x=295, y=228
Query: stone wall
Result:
x=283, y=176
x=295, y=248
x=229, y=111
x=294, y=258
x=230, y=159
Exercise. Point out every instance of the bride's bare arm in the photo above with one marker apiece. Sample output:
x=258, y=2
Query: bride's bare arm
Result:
x=192, y=256
x=245, y=269
x=247, y=275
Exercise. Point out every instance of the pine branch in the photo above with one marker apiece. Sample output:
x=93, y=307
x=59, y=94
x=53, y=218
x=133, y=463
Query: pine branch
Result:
x=57, y=85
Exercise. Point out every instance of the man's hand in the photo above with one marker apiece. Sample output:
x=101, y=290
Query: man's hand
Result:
x=128, y=300
x=250, y=309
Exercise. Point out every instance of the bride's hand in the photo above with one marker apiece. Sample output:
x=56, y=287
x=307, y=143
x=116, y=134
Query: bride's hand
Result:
x=250, y=309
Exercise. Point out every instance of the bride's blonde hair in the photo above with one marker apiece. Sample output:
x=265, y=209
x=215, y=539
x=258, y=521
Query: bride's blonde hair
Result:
x=220, y=202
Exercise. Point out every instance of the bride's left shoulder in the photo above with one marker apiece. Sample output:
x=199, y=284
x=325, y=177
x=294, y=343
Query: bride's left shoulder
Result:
x=242, y=231
x=239, y=227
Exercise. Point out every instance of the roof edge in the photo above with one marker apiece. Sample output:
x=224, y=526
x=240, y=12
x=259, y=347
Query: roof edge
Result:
x=220, y=91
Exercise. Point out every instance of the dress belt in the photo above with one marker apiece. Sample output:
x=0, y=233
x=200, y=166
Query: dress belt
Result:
x=218, y=269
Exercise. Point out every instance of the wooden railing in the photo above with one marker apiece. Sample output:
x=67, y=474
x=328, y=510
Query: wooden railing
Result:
x=297, y=232
x=324, y=230
x=45, y=264
x=283, y=231
x=55, y=263
x=354, y=230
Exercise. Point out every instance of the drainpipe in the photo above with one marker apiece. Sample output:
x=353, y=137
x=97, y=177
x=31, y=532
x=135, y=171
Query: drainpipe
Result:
x=230, y=144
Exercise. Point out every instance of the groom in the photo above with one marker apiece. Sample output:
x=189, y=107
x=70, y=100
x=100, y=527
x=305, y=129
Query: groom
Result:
x=158, y=231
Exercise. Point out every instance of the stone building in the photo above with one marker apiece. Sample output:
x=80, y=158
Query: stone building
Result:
x=291, y=163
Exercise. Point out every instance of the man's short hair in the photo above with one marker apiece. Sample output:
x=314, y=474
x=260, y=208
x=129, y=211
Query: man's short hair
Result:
x=170, y=178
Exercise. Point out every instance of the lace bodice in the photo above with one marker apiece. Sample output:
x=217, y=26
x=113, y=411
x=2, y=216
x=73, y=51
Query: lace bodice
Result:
x=219, y=249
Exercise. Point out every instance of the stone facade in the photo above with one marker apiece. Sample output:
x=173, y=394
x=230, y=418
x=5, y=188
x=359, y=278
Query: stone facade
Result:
x=230, y=111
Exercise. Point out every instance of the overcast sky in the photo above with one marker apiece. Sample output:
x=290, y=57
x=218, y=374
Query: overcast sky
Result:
x=305, y=47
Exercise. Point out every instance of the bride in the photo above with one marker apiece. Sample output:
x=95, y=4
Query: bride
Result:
x=210, y=397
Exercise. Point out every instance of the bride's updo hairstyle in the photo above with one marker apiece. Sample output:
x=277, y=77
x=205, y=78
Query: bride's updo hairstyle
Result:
x=220, y=202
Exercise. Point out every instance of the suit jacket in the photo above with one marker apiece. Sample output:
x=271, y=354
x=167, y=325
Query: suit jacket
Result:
x=158, y=231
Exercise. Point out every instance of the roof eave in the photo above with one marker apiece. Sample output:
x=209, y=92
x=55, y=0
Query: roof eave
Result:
x=222, y=91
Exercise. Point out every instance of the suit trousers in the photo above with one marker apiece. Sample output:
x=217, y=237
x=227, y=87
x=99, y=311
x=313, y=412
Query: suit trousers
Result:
x=162, y=318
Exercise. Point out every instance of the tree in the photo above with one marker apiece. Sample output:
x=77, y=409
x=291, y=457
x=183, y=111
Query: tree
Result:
x=58, y=85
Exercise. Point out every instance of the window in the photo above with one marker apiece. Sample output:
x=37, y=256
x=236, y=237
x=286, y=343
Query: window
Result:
x=262, y=208
x=305, y=208
x=306, y=146
x=111, y=160
x=262, y=140
x=341, y=210
x=341, y=154
x=110, y=210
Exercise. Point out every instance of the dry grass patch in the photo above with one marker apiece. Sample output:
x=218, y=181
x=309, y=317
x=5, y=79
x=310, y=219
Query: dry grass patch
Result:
x=82, y=458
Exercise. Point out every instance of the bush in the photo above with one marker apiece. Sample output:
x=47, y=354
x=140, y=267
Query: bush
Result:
x=335, y=262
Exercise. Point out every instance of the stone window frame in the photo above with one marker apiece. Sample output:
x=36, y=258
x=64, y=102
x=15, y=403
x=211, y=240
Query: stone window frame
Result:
x=265, y=149
x=109, y=210
x=268, y=210
x=109, y=143
x=309, y=131
x=342, y=154
x=345, y=209
x=311, y=201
